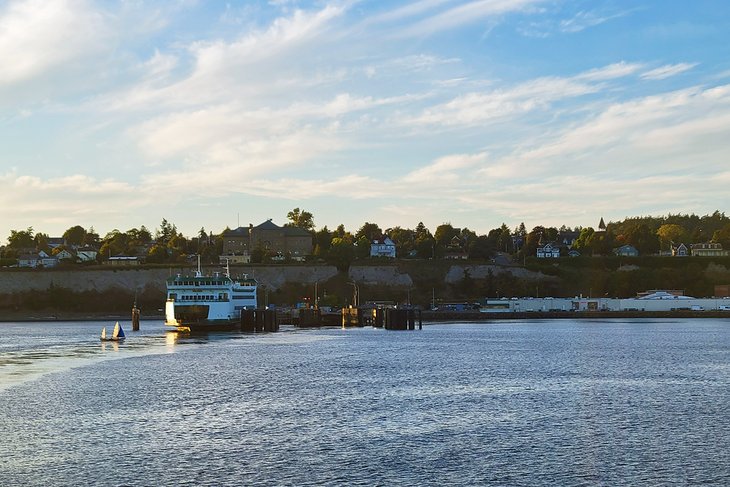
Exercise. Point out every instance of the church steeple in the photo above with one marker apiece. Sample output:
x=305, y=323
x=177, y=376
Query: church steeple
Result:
x=601, y=226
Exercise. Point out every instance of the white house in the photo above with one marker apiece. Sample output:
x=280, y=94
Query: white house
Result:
x=86, y=254
x=41, y=259
x=382, y=247
x=548, y=251
x=124, y=260
x=709, y=249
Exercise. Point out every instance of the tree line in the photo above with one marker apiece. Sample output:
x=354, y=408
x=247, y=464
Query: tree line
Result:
x=649, y=235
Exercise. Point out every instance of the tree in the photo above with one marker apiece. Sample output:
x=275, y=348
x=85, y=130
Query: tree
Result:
x=671, y=232
x=403, y=238
x=532, y=240
x=362, y=247
x=504, y=240
x=722, y=236
x=114, y=243
x=520, y=236
x=41, y=242
x=444, y=233
x=422, y=232
x=426, y=248
x=300, y=219
x=165, y=233
x=641, y=237
x=582, y=243
x=74, y=236
x=21, y=239
x=322, y=241
x=341, y=253
x=91, y=238
x=370, y=231
x=340, y=232
x=481, y=248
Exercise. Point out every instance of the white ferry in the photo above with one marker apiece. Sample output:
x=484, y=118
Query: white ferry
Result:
x=207, y=302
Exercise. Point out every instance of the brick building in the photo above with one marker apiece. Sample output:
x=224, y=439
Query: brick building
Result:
x=239, y=244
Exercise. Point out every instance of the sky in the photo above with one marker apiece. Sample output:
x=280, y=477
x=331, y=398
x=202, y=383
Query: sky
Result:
x=115, y=115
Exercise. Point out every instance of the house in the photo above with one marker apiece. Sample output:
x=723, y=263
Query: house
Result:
x=87, y=254
x=709, y=249
x=125, y=260
x=382, y=247
x=35, y=260
x=680, y=250
x=55, y=242
x=548, y=251
x=239, y=244
x=626, y=251
x=573, y=253
x=66, y=255
x=568, y=238
x=456, y=250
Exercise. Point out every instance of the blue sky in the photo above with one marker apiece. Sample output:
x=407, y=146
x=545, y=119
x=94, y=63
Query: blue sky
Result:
x=210, y=114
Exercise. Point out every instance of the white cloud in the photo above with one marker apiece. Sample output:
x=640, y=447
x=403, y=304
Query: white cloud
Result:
x=468, y=13
x=665, y=132
x=37, y=36
x=480, y=107
x=35, y=200
x=583, y=20
x=445, y=169
x=612, y=71
x=667, y=71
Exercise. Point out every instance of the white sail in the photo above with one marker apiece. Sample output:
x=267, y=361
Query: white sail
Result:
x=118, y=332
x=103, y=333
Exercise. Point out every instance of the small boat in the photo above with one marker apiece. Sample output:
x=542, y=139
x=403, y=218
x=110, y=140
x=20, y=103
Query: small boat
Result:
x=117, y=334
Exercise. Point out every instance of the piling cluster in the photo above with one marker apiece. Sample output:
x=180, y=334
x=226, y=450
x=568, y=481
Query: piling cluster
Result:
x=388, y=318
x=258, y=320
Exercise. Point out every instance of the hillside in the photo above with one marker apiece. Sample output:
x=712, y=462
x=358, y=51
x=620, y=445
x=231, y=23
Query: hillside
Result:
x=105, y=290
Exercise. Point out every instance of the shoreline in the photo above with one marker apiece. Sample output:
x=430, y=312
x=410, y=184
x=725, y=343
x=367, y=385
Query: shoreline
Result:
x=439, y=316
x=427, y=316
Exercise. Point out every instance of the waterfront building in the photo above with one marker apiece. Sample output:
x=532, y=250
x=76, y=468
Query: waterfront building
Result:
x=656, y=301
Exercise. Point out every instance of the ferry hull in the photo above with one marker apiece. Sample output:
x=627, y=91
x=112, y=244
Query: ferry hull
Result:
x=196, y=317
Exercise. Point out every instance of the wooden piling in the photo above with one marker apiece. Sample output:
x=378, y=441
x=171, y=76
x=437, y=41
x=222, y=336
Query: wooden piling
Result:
x=135, y=318
x=258, y=320
x=248, y=320
x=402, y=319
x=350, y=317
x=309, y=317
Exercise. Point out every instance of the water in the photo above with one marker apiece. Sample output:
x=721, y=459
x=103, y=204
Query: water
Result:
x=510, y=403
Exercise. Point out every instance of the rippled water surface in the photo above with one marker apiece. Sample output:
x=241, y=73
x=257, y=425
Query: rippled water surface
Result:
x=509, y=403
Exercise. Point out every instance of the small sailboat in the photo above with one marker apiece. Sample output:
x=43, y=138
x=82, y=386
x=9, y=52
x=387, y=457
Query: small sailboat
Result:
x=117, y=334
